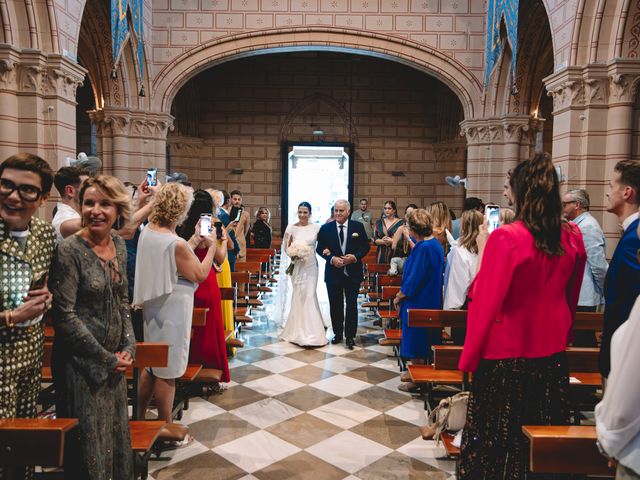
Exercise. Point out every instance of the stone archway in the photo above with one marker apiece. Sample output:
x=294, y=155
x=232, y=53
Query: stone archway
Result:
x=426, y=59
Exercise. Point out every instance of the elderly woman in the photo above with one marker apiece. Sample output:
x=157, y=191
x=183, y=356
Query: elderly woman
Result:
x=421, y=288
x=94, y=341
x=167, y=274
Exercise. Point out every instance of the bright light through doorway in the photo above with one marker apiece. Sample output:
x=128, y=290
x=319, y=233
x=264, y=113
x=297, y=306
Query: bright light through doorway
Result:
x=318, y=175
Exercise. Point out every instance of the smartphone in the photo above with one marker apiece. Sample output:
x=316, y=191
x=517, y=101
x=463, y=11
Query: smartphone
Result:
x=205, y=224
x=492, y=215
x=218, y=226
x=152, y=177
x=236, y=213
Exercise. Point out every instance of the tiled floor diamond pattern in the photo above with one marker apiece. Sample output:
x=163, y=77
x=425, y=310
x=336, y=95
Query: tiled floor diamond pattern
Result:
x=297, y=414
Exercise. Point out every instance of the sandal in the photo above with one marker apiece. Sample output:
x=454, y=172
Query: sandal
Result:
x=405, y=377
x=210, y=389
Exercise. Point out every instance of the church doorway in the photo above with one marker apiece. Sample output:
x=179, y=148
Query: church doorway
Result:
x=317, y=173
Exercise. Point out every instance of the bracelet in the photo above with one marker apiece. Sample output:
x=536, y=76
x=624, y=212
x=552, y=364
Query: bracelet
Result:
x=8, y=318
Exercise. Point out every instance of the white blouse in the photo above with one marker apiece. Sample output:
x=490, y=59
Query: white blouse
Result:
x=459, y=273
x=618, y=414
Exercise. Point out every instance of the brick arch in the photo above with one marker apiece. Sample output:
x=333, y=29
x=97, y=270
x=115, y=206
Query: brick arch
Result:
x=426, y=59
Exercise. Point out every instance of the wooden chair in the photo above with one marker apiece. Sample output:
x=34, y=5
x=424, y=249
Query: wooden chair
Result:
x=144, y=434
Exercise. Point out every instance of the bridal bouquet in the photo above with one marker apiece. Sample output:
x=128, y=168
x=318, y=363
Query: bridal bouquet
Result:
x=297, y=251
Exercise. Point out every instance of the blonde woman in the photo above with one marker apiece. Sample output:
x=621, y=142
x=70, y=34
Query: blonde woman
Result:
x=167, y=275
x=441, y=218
x=462, y=261
x=94, y=342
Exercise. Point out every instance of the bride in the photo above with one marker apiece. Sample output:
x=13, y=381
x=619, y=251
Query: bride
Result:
x=304, y=325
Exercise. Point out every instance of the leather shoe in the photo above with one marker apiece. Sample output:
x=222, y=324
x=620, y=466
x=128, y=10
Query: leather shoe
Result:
x=336, y=340
x=350, y=343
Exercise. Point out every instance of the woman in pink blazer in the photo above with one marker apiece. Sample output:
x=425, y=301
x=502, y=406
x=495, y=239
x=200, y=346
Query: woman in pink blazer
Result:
x=521, y=307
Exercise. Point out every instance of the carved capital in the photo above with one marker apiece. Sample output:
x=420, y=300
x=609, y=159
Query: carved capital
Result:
x=596, y=91
x=7, y=74
x=568, y=94
x=620, y=89
x=513, y=131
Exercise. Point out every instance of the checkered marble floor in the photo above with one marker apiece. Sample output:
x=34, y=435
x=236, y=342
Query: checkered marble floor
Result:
x=295, y=413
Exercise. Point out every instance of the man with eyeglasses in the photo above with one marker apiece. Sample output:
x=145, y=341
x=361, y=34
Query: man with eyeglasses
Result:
x=575, y=206
x=26, y=249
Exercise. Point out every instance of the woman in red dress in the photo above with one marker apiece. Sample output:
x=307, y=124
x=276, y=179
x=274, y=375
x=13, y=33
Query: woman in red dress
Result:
x=208, y=346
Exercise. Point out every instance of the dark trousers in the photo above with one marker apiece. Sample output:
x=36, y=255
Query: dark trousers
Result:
x=585, y=338
x=341, y=289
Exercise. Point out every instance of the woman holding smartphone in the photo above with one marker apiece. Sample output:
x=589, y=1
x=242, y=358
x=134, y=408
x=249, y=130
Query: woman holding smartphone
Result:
x=208, y=345
x=94, y=341
x=167, y=274
x=521, y=307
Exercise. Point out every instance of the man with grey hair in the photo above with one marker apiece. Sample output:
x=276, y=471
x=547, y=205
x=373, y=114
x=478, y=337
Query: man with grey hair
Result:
x=575, y=206
x=342, y=244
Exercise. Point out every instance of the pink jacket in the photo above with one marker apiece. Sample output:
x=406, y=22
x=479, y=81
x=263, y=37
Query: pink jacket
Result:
x=522, y=302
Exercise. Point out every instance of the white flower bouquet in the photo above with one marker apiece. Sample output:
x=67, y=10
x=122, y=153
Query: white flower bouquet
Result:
x=297, y=251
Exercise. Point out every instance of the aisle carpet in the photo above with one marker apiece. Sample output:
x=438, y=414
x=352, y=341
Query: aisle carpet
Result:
x=295, y=413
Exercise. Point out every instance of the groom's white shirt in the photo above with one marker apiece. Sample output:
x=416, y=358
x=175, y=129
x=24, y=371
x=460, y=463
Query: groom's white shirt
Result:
x=346, y=229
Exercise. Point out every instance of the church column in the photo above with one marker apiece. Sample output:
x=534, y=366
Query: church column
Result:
x=38, y=104
x=131, y=141
x=495, y=145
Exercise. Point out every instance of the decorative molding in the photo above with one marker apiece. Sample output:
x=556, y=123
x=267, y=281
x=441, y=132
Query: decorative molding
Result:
x=570, y=93
x=134, y=123
x=7, y=73
x=596, y=91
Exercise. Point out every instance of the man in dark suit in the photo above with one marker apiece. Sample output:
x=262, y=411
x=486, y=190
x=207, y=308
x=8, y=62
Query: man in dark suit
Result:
x=343, y=243
x=622, y=284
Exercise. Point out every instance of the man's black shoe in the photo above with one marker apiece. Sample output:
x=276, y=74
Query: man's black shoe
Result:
x=336, y=340
x=350, y=343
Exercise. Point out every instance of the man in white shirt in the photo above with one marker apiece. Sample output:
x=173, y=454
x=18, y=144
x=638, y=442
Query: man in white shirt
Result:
x=67, y=220
x=575, y=205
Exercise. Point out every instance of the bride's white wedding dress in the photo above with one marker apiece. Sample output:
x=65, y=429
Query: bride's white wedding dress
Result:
x=304, y=324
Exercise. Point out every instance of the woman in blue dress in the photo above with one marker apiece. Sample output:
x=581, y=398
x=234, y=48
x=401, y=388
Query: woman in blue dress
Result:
x=421, y=288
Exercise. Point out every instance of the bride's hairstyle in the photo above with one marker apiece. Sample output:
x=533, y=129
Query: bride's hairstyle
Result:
x=306, y=205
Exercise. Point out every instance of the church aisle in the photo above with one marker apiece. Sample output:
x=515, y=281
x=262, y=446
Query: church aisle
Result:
x=294, y=413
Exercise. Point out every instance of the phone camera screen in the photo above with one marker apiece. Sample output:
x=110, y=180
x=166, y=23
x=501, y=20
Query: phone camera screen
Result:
x=493, y=217
x=152, y=177
x=205, y=225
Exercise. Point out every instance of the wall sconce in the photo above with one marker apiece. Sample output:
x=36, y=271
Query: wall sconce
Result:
x=397, y=173
x=237, y=171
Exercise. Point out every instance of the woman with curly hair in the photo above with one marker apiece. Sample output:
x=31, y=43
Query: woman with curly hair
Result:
x=167, y=274
x=521, y=308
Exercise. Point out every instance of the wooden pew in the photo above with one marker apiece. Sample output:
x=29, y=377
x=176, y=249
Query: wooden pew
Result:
x=247, y=296
x=565, y=449
x=144, y=434
x=458, y=318
x=34, y=441
x=386, y=310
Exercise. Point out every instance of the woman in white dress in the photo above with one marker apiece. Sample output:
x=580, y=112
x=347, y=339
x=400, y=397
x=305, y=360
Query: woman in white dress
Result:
x=304, y=324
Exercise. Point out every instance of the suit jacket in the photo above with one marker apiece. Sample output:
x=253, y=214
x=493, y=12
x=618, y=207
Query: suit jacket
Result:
x=596, y=268
x=357, y=244
x=38, y=252
x=621, y=288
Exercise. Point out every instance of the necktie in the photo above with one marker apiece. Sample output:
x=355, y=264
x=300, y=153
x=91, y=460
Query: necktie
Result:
x=341, y=235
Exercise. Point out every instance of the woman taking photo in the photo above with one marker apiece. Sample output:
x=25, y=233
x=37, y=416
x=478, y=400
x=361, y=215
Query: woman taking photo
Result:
x=384, y=230
x=94, y=341
x=208, y=346
x=421, y=288
x=521, y=307
x=167, y=274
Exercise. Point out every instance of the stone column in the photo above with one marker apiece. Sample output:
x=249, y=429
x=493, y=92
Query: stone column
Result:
x=131, y=141
x=38, y=104
x=494, y=146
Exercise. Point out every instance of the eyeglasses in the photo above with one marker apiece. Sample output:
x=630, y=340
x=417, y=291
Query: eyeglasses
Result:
x=564, y=204
x=28, y=193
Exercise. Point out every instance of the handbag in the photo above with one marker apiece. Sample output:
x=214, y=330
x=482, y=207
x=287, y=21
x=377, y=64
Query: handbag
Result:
x=450, y=415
